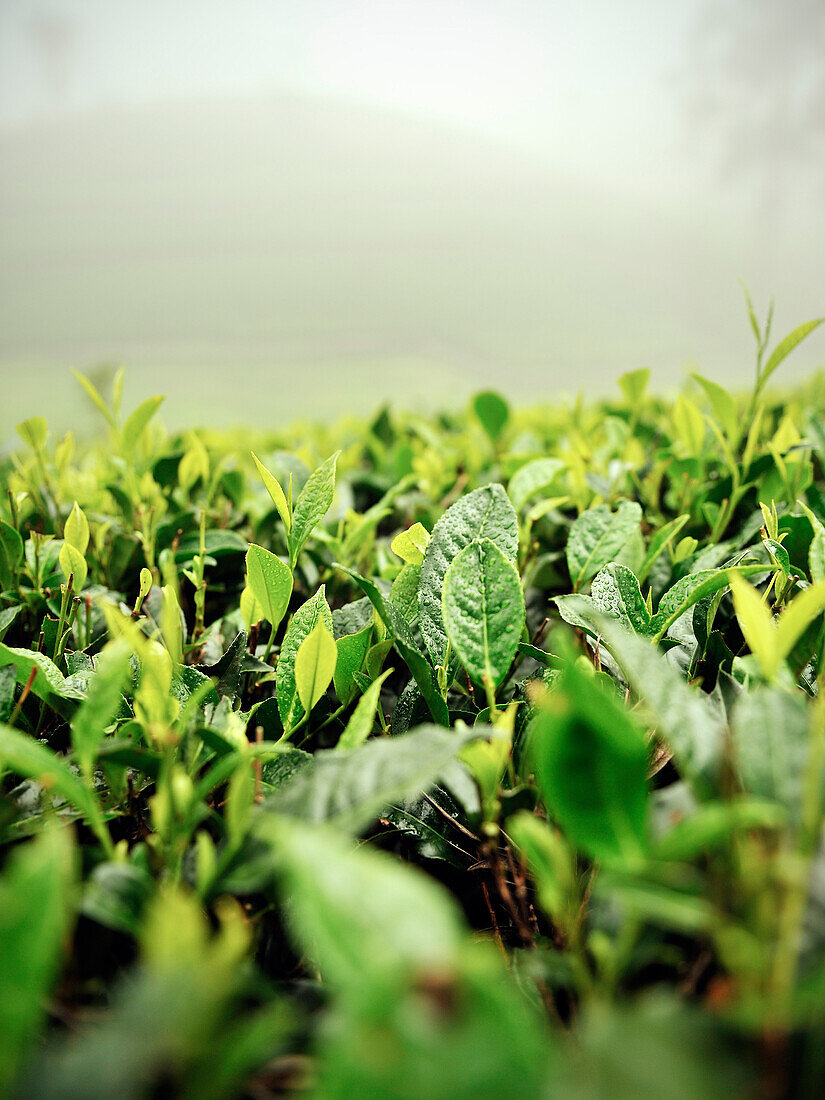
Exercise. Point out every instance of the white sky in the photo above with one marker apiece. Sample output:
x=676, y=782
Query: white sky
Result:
x=587, y=86
x=685, y=142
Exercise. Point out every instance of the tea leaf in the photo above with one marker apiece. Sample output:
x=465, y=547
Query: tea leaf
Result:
x=483, y=611
x=351, y=787
x=276, y=493
x=26, y=757
x=590, y=761
x=411, y=545
x=532, y=478
x=138, y=421
x=311, y=506
x=352, y=652
x=615, y=592
x=483, y=514
x=301, y=625
x=360, y=724
x=76, y=530
x=102, y=703
x=270, y=582
x=597, y=536
x=315, y=664
x=784, y=348
x=493, y=412
x=36, y=911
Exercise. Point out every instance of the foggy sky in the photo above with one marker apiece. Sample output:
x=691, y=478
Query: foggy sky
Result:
x=695, y=131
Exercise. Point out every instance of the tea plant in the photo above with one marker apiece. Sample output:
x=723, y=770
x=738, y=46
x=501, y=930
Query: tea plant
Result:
x=480, y=755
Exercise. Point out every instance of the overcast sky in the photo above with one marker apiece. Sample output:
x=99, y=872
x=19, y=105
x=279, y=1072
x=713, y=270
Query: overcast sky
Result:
x=592, y=87
x=708, y=115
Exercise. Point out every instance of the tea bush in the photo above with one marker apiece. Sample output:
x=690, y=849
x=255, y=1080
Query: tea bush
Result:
x=480, y=755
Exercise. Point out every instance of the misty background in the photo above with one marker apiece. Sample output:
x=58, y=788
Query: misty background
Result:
x=279, y=210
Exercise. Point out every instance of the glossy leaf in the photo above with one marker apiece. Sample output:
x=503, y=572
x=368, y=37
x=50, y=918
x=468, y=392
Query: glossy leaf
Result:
x=590, y=761
x=483, y=611
x=493, y=412
x=597, y=536
x=270, y=582
x=531, y=479
x=350, y=788
x=483, y=514
x=315, y=664
x=276, y=493
x=311, y=506
x=360, y=724
x=300, y=627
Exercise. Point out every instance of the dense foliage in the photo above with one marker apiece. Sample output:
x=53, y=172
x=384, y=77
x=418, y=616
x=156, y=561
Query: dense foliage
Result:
x=473, y=756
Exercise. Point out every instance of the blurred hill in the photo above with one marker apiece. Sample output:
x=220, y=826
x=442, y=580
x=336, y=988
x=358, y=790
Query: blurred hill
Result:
x=288, y=257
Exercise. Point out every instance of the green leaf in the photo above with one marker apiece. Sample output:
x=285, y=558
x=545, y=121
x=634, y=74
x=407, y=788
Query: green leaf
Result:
x=712, y=826
x=48, y=684
x=32, y=759
x=615, y=592
x=579, y=611
x=494, y=1044
x=412, y=925
x=784, y=348
x=116, y=896
x=683, y=715
x=551, y=861
x=771, y=744
x=145, y=584
x=194, y=464
x=655, y=1045
x=816, y=556
x=217, y=544
x=406, y=645
x=315, y=664
x=756, y=625
x=816, y=551
x=659, y=543
x=633, y=385
x=290, y=707
x=73, y=564
x=590, y=762
x=483, y=514
x=350, y=788
x=33, y=431
x=273, y=487
x=36, y=913
x=689, y=425
x=797, y=616
x=93, y=394
x=172, y=624
x=360, y=724
x=270, y=582
x=137, y=422
x=7, y=617
x=76, y=529
x=493, y=412
x=103, y=700
x=411, y=544
x=674, y=908
x=352, y=652
x=597, y=536
x=752, y=316
x=532, y=478
x=432, y=824
x=483, y=611
x=11, y=555
x=311, y=506
x=693, y=588
x=723, y=405
x=404, y=592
